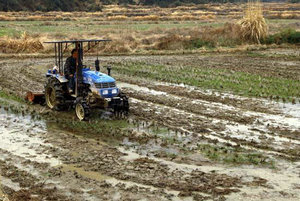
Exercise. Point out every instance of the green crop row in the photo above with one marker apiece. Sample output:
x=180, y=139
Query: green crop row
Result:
x=234, y=156
x=240, y=83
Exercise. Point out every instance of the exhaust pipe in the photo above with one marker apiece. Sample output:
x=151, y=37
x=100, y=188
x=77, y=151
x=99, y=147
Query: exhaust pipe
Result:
x=97, y=65
x=108, y=70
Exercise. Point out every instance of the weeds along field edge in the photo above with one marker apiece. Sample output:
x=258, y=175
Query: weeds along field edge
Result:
x=156, y=41
x=135, y=29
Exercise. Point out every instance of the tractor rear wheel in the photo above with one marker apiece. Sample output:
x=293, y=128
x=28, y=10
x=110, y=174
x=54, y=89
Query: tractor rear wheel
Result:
x=82, y=111
x=55, y=93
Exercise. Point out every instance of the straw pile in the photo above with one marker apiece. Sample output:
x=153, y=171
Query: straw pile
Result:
x=253, y=25
x=23, y=44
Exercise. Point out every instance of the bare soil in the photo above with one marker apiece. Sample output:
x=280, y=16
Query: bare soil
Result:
x=160, y=156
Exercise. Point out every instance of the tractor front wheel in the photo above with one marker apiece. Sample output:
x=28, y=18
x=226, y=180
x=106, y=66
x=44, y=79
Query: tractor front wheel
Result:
x=82, y=111
x=50, y=97
x=125, y=103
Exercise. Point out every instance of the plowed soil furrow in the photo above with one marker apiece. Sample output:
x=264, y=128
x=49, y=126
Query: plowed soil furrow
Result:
x=201, y=128
x=221, y=100
x=199, y=108
x=179, y=142
x=262, y=65
x=88, y=159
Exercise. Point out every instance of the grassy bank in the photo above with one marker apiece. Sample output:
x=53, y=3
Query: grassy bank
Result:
x=129, y=36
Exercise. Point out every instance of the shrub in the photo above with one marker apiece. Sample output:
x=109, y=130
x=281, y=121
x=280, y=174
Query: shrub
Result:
x=198, y=43
x=285, y=36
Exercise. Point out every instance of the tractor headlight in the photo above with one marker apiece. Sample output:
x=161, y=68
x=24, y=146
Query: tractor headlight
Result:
x=105, y=92
x=114, y=91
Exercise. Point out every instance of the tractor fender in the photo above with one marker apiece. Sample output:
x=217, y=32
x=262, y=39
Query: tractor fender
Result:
x=60, y=78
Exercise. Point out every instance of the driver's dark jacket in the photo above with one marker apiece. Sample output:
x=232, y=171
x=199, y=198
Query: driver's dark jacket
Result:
x=70, y=66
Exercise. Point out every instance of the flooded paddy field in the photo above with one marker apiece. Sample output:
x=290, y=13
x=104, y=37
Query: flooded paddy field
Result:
x=179, y=142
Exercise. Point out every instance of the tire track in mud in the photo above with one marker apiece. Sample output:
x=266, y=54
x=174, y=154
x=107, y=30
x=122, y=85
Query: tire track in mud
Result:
x=204, y=110
x=214, y=132
x=273, y=185
x=194, y=106
x=26, y=184
x=128, y=175
x=89, y=156
x=18, y=77
x=225, y=101
x=251, y=133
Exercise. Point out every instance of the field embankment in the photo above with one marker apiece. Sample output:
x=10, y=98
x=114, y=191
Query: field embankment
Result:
x=147, y=30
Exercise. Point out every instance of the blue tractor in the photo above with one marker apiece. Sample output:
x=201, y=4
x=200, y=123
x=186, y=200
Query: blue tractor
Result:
x=93, y=89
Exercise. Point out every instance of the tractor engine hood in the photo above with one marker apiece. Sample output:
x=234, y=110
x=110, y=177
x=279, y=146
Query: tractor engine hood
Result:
x=94, y=78
x=91, y=77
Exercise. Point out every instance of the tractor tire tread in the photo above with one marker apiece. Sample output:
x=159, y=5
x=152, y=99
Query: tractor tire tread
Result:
x=59, y=93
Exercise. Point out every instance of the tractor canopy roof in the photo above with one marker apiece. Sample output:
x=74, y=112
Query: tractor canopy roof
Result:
x=61, y=46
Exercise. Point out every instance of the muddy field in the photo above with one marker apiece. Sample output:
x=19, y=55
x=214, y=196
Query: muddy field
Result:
x=179, y=142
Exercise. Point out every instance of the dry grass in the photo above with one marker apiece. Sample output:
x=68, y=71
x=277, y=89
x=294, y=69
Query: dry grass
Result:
x=170, y=42
x=131, y=41
x=229, y=34
x=7, y=18
x=23, y=44
x=137, y=29
x=253, y=25
x=144, y=13
x=117, y=18
x=285, y=15
x=146, y=18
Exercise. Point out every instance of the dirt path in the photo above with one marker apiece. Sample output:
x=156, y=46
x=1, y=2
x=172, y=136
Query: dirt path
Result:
x=182, y=143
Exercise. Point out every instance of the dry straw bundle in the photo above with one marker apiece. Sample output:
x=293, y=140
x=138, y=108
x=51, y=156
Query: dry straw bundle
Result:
x=253, y=25
x=23, y=44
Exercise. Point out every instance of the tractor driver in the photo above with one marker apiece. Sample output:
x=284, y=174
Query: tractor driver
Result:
x=70, y=69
